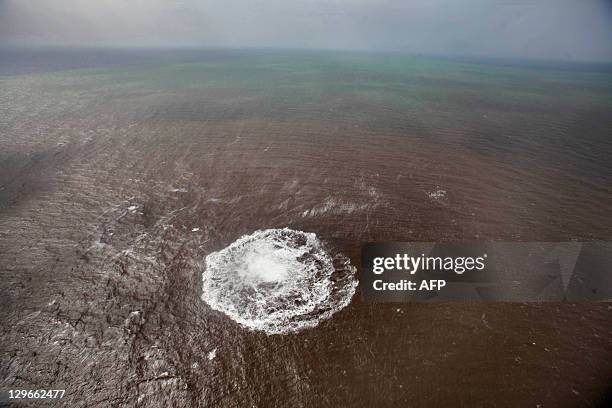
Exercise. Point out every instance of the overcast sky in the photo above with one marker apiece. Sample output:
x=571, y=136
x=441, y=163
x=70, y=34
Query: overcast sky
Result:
x=575, y=30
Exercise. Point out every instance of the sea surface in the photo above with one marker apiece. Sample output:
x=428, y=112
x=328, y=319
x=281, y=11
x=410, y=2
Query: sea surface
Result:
x=121, y=171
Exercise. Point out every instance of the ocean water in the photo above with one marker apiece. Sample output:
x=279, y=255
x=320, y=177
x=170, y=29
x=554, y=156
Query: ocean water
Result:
x=121, y=175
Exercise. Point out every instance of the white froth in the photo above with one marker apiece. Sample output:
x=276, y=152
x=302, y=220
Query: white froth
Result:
x=277, y=280
x=266, y=269
x=437, y=194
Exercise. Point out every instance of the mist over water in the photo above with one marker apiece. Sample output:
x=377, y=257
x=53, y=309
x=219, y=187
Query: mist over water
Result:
x=559, y=30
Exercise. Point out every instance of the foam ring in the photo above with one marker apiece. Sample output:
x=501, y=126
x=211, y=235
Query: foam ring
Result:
x=278, y=281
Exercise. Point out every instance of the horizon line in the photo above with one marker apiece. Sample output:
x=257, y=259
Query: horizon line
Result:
x=467, y=58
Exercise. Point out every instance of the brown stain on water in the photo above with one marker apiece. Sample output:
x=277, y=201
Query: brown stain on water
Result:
x=128, y=328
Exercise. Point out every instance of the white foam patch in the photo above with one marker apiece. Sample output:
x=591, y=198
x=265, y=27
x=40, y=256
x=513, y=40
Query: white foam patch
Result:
x=278, y=281
x=437, y=194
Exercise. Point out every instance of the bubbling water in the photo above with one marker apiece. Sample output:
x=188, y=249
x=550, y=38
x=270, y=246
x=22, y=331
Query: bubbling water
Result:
x=278, y=281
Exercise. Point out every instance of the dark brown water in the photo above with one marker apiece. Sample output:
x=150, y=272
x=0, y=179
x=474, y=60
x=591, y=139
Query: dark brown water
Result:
x=106, y=173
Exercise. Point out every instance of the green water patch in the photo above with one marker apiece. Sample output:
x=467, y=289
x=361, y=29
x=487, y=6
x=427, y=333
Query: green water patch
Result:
x=348, y=81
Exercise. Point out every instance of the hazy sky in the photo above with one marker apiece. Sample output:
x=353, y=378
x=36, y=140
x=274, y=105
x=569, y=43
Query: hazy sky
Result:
x=576, y=30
